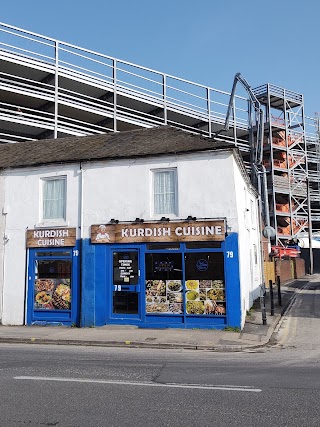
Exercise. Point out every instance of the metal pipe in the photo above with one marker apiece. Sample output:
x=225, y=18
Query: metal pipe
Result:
x=56, y=90
x=263, y=304
x=309, y=228
x=209, y=111
x=271, y=298
x=165, y=111
x=279, y=291
x=114, y=95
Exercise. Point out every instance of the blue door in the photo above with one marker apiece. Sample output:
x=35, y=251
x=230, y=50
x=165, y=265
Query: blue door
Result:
x=53, y=289
x=125, y=283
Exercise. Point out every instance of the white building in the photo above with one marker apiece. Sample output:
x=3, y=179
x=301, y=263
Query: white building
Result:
x=156, y=228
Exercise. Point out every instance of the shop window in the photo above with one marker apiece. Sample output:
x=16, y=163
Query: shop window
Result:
x=205, y=285
x=125, y=268
x=163, y=246
x=52, y=285
x=50, y=254
x=252, y=211
x=255, y=254
x=54, y=198
x=201, y=245
x=164, y=289
x=165, y=191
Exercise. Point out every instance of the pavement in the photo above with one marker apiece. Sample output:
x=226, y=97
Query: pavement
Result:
x=254, y=335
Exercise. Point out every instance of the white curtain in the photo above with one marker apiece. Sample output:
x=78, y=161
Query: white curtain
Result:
x=54, y=199
x=164, y=192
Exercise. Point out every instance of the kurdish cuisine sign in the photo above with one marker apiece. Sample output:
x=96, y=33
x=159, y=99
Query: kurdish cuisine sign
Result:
x=194, y=231
x=51, y=237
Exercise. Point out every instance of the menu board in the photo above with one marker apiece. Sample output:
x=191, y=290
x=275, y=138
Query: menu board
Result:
x=164, y=296
x=205, y=297
x=52, y=294
x=125, y=268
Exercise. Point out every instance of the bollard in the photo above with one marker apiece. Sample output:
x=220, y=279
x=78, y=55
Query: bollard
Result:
x=279, y=291
x=263, y=304
x=271, y=298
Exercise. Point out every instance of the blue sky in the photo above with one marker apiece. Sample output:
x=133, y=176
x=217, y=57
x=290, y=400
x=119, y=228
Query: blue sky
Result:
x=206, y=41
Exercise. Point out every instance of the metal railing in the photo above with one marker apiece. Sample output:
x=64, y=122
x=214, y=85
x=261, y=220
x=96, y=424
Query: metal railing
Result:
x=179, y=99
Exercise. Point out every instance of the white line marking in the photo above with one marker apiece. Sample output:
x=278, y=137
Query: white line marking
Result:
x=146, y=384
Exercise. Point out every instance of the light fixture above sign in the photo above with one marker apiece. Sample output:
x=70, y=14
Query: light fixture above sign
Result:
x=113, y=221
x=138, y=220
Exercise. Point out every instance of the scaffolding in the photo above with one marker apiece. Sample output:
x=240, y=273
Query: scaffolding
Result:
x=53, y=89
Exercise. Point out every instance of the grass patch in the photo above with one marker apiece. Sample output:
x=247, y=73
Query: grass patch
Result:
x=232, y=329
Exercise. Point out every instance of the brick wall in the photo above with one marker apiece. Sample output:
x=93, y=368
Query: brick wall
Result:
x=300, y=267
x=289, y=269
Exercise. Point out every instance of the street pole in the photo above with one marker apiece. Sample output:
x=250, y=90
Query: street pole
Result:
x=271, y=298
x=279, y=291
x=309, y=229
x=263, y=303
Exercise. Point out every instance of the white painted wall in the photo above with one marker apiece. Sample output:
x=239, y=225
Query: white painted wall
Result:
x=23, y=204
x=123, y=189
x=210, y=185
x=249, y=242
x=2, y=240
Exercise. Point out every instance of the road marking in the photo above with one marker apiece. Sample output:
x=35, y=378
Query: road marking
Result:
x=146, y=384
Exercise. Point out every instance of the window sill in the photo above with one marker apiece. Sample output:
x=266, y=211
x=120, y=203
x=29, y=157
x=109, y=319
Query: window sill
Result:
x=52, y=224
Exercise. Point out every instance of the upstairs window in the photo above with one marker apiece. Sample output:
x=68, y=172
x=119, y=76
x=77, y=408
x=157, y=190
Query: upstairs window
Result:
x=253, y=223
x=54, y=198
x=165, y=191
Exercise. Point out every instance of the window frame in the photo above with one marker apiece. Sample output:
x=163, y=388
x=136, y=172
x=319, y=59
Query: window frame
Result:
x=60, y=220
x=154, y=171
x=183, y=251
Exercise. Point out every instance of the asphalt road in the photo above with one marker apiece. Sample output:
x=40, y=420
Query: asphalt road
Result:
x=69, y=386
x=83, y=387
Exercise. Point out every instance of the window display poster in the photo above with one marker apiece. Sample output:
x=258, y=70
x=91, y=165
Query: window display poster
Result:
x=201, y=297
x=164, y=296
x=205, y=297
x=52, y=294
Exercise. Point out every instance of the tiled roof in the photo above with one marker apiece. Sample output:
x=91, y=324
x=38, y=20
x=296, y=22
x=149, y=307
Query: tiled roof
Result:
x=127, y=144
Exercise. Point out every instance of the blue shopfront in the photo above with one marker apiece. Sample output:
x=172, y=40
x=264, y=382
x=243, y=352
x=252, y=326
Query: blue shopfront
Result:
x=53, y=277
x=154, y=275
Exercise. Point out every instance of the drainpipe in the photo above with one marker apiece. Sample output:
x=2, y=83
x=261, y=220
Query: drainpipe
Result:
x=81, y=171
x=81, y=215
x=4, y=242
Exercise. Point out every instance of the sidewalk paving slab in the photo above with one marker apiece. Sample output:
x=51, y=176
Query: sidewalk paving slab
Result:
x=253, y=336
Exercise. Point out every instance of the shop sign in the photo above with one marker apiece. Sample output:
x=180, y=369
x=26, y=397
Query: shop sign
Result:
x=187, y=231
x=51, y=237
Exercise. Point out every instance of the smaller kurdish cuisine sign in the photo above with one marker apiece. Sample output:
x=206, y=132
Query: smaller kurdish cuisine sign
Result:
x=184, y=231
x=51, y=237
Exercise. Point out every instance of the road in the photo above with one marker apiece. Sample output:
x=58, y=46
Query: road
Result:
x=69, y=386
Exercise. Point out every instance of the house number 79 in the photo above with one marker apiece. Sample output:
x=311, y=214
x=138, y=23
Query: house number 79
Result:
x=229, y=254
